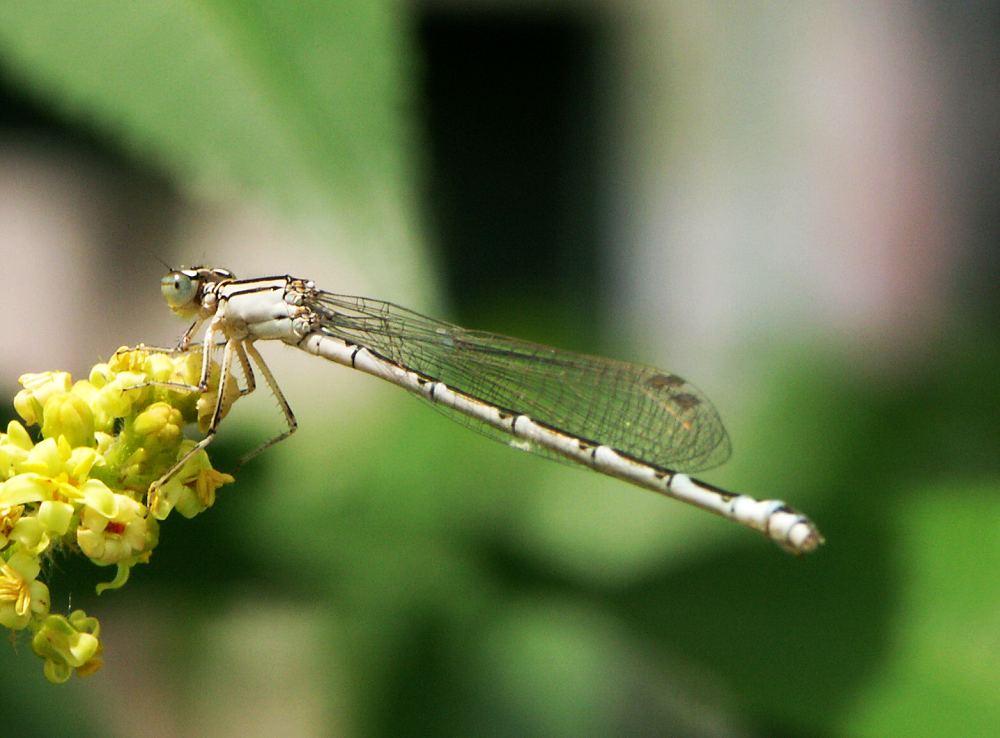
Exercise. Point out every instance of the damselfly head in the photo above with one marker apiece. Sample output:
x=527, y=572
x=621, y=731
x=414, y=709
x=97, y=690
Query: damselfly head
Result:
x=183, y=289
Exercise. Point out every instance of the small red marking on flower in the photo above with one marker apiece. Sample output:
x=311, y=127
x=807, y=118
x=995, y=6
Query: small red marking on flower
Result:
x=113, y=527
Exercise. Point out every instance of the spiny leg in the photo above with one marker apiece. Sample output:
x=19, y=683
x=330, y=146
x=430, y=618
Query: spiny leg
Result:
x=170, y=351
x=248, y=375
x=207, y=348
x=206, y=358
x=217, y=413
x=282, y=402
x=185, y=342
x=175, y=351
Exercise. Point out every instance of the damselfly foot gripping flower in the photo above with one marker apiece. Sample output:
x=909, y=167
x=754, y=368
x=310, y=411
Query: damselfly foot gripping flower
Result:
x=80, y=485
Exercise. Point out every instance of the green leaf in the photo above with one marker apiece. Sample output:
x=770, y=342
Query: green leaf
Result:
x=300, y=103
x=940, y=674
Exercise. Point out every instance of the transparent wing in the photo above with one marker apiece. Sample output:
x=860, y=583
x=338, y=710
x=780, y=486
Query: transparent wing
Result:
x=651, y=415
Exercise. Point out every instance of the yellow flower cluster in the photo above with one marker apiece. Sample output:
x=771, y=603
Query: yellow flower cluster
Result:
x=82, y=484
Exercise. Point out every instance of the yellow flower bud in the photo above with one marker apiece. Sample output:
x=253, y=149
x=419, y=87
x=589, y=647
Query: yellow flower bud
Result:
x=100, y=375
x=161, y=422
x=28, y=407
x=18, y=435
x=69, y=415
x=129, y=360
x=38, y=388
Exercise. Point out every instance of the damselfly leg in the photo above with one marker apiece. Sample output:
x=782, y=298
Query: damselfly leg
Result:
x=244, y=353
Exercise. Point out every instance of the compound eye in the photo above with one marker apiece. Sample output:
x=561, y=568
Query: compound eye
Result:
x=179, y=290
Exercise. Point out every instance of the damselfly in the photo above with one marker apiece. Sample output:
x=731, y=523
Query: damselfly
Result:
x=637, y=423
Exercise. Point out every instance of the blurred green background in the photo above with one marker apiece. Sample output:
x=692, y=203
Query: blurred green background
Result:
x=794, y=205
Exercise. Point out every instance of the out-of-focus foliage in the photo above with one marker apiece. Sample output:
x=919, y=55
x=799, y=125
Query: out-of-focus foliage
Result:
x=298, y=101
